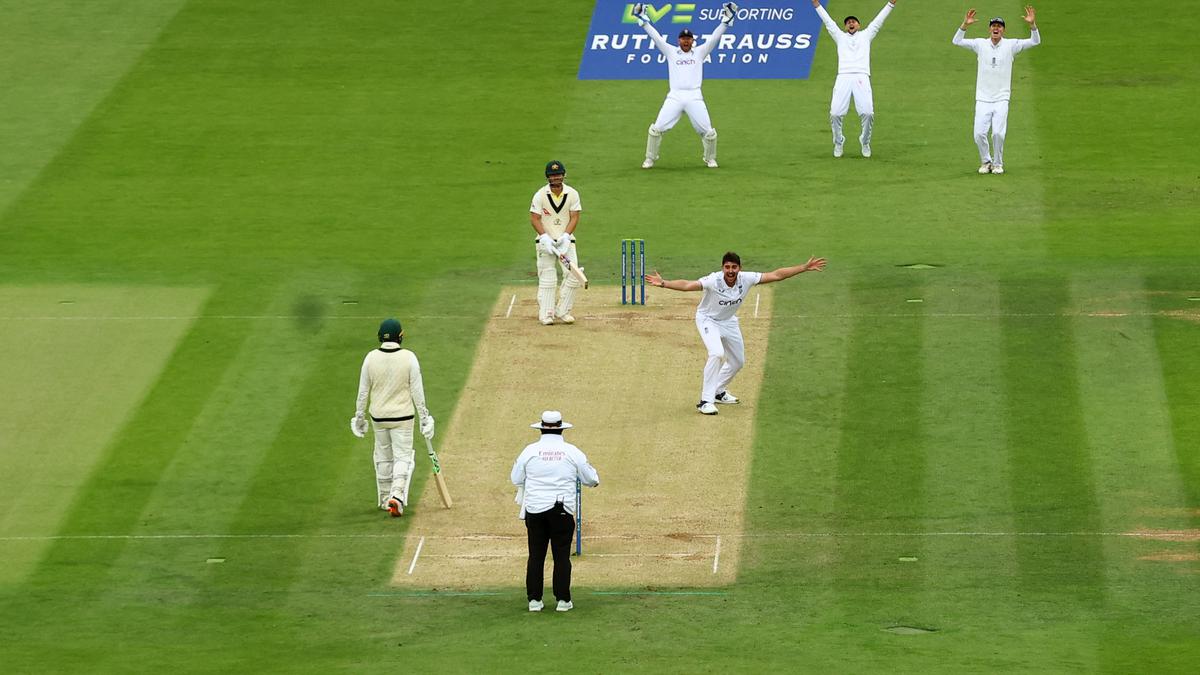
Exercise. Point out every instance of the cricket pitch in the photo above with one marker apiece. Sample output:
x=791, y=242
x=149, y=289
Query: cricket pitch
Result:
x=670, y=507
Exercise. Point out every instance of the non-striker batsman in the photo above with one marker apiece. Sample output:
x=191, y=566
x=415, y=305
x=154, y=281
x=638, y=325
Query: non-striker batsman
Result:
x=390, y=382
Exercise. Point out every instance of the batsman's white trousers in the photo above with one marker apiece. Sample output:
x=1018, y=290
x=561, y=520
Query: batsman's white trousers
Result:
x=548, y=277
x=995, y=116
x=393, y=459
x=726, y=354
x=690, y=101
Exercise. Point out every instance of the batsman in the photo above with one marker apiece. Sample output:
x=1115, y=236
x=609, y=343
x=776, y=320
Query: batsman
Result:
x=554, y=215
x=390, y=382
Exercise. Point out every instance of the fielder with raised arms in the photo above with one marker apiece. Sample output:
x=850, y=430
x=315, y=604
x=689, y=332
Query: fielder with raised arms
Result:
x=854, y=74
x=554, y=215
x=993, y=83
x=685, y=69
x=390, y=380
x=716, y=319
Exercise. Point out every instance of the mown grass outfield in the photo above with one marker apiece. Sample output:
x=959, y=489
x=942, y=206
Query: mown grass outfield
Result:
x=191, y=191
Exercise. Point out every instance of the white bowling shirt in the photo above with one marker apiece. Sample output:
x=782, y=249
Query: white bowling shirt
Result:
x=993, y=81
x=685, y=69
x=721, y=302
x=854, y=51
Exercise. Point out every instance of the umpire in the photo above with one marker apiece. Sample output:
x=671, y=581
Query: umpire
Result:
x=545, y=473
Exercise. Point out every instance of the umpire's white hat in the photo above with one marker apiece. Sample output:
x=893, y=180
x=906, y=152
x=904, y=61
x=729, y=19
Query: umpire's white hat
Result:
x=551, y=419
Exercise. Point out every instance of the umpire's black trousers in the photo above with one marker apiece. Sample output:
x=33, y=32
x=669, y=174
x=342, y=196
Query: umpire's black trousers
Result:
x=555, y=527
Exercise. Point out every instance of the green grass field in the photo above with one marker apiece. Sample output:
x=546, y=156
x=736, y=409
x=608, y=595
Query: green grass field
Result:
x=192, y=193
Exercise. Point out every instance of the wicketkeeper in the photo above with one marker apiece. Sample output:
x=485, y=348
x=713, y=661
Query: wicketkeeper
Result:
x=554, y=215
x=685, y=71
x=391, y=380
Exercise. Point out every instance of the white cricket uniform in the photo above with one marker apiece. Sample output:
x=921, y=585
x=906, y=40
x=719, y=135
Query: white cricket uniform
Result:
x=716, y=319
x=685, y=72
x=547, y=469
x=390, y=380
x=854, y=73
x=555, y=213
x=993, y=88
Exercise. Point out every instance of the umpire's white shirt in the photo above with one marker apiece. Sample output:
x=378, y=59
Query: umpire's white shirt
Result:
x=685, y=69
x=548, y=469
x=854, y=51
x=721, y=302
x=993, y=81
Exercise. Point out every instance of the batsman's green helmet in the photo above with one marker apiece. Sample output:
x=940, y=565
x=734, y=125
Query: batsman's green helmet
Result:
x=390, y=331
x=555, y=168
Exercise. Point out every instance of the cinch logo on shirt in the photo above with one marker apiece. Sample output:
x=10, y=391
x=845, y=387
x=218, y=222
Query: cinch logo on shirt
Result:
x=724, y=303
x=685, y=62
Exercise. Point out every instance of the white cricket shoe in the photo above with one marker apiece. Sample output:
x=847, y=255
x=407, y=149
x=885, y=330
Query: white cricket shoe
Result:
x=727, y=398
x=648, y=164
x=536, y=605
x=564, y=606
x=866, y=150
x=710, y=163
x=997, y=168
x=706, y=408
x=548, y=321
x=566, y=318
x=837, y=149
x=395, y=507
x=986, y=167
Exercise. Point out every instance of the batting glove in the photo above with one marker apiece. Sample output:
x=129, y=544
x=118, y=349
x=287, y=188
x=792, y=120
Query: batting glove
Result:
x=427, y=427
x=358, y=425
x=546, y=243
x=728, y=13
x=563, y=243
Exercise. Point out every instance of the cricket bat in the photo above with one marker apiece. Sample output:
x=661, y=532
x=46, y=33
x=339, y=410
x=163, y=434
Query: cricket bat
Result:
x=443, y=491
x=573, y=269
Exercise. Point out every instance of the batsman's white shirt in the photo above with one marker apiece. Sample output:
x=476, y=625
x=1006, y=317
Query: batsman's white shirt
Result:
x=854, y=51
x=548, y=469
x=391, y=380
x=993, y=81
x=720, y=301
x=555, y=211
x=685, y=69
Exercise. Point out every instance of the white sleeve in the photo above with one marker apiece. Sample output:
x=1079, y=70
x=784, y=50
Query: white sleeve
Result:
x=517, y=476
x=959, y=40
x=829, y=24
x=585, y=472
x=877, y=22
x=533, y=203
x=364, y=389
x=1035, y=39
x=658, y=40
x=576, y=204
x=711, y=43
x=416, y=387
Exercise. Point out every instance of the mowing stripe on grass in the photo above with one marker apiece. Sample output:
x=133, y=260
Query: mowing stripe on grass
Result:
x=51, y=87
x=54, y=426
x=880, y=458
x=1050, y=468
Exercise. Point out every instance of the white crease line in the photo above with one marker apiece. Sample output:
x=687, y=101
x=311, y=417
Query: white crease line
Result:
x=416, y=555
x=510, y=305
x=523, y=554
x=717, y=555
x=634, y=537
x=757, y=297
x=648, y=317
